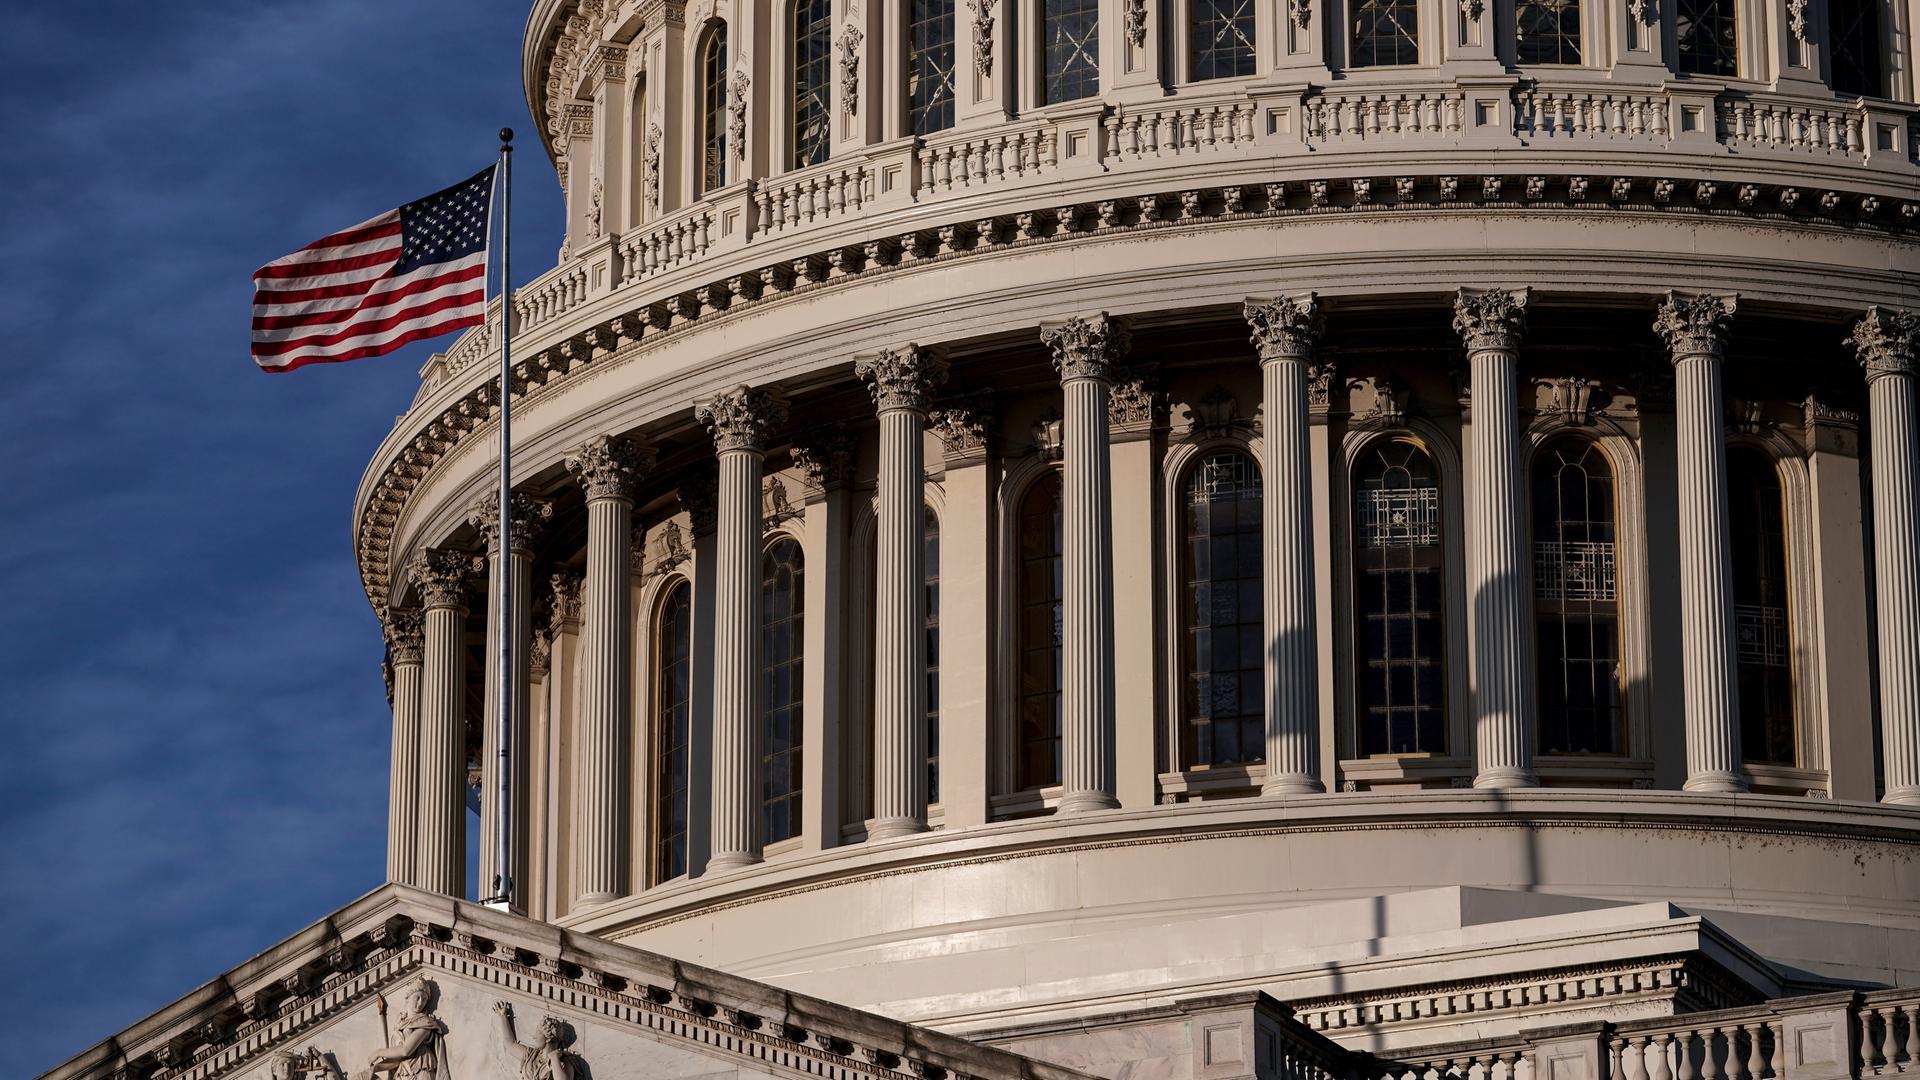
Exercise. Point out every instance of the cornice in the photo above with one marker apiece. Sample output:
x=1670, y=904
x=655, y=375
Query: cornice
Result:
x=647, y=319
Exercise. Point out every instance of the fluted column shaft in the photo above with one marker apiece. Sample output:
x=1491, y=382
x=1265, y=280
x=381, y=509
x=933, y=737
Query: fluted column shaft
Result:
x=405, y=629
x=1491, y=324
x=517, y=569
x=1695, y=329
x=1887, y=341
x=901, y=380
x=1084, y=352
x=606, y=469
x=1284, y=332
x=440, y=851
x=738, y=421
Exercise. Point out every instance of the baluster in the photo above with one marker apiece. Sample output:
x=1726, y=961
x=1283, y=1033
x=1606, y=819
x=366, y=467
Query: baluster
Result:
x=1889, y=1047
x=1710, y=1054
x=1755, y=1064
x=1867, y=1043
x=1636, y=1058
x=1616, y=1048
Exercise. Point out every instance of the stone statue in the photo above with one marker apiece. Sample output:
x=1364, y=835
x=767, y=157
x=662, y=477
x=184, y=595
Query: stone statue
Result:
x=310, y=1065
x=547, y=1059
x=419, y=1047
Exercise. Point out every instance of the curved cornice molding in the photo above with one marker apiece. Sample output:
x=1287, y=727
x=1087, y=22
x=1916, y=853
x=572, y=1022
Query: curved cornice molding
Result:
x=665, y=307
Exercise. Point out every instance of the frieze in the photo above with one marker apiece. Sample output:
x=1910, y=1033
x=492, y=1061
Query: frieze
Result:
x=966, y=425
x=409, y=465
x=1135, y=399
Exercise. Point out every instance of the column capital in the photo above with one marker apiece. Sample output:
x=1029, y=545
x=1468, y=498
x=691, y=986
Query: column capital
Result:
x=1697, y=324
x=1491, y=318
x=406, y=632
x=901, y=379
x=826, y=455
x=965, y=424
x=442, y=576
x=740, y=418
x=699, y=493
x=530, y=514
x=1887, y=340
x=1287, y=327
x=1085, y=347
x=607, y=466
x=566, y=594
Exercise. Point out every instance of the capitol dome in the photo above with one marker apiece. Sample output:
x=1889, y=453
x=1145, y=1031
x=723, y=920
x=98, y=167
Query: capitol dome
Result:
x=1155, y=540
x=1031, y=514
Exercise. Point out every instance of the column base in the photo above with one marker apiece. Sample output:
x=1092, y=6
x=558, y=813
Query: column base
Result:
x=591, y=899
x=732, y=860
x=1902, y=796
x=1292, y=784
x=1080, y=802
x=1505, y=777
x=895, y=828
x=1716, y=782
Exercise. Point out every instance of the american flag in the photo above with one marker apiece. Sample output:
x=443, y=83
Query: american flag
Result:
x=410, y=273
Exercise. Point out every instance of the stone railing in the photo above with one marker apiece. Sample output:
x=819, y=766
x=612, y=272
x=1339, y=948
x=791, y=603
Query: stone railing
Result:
x=1820, y=128
x=982, y=159
x=835, y=189
x=1820, y=1037
x=1391, y=114
x=550, y=296
x=662, y=245
x=1546, y=113
x=1171, y=130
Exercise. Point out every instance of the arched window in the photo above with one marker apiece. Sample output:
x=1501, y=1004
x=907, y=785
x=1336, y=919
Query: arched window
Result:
x=1546, y=31
x=672, y=730
x=1576, y=600
x=1762, y=634
x=713, y=110
x=1853, y=47
x=932, y=583
x=811, y=133
x=930, y=66
x=1398, y=601
x=1385, y=33
x=1037, y=737
x=1071, y=56
x=782, y=601
x=1223, y=638
x=1709, y=37
x=1220, y=38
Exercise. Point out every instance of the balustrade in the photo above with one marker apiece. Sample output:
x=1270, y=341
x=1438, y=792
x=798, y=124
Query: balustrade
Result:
x=1132, y=134
x=1375, y=115
x=663, y=245
x=817, y=194
x=979, y=160
x=549, y=296
x=1574, y=113
x=1785, y=124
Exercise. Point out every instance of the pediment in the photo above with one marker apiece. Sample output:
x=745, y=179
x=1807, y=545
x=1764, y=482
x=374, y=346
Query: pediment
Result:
x=411, y=986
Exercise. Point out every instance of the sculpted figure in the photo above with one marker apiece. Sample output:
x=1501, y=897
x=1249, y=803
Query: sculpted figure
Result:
x=419, y=1041
x=546, y=1059
x=311, y=1065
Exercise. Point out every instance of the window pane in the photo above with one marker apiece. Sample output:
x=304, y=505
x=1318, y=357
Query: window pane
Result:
x=713, y=110
x=1547, y=31
x=1708, y=35
x=1072, y=34
x=1576, y=602
x=930, y=66
x=1037, y=751
x=1853, y=34
x=1763, y=645
x=782, y=598
x=1223, y=631
x=812, y=49
x=1397, y=593
x=1385, y=32
x=1222, y=38
x=672, y=718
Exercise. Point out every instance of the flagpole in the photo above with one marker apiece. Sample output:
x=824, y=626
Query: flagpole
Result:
x=503, y=773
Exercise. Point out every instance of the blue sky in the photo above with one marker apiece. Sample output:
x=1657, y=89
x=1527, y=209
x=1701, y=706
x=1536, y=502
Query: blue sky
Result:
x=196, y=734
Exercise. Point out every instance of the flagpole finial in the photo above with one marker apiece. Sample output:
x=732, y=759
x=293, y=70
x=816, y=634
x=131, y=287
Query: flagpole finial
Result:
x=506, y=139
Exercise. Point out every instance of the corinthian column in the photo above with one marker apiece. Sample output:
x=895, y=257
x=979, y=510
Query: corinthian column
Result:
x=442, y=578
x=606, y=468
x=738, y=421
x=516, y=573
x=1284, y=332
x=406, y=634
x=1491, y=324
x=1888, y=340
x=1695, y=330
x=902, y=381
x=1084, y=351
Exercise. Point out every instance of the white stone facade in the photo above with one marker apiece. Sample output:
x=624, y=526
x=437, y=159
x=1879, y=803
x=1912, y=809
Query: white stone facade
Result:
x=1082, y=559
